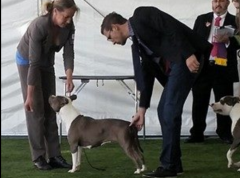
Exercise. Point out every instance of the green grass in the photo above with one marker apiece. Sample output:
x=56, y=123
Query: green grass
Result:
x=205, y=160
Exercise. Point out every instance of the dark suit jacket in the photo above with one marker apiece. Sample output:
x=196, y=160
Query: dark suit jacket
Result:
x=226, y=73
x=167, y=38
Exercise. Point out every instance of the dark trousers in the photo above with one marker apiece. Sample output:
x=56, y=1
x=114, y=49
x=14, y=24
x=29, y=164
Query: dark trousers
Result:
x=41, y=123
x=170, y=109
x=211, y=78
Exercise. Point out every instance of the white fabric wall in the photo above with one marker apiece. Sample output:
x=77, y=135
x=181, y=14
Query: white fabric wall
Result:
x=93, y=56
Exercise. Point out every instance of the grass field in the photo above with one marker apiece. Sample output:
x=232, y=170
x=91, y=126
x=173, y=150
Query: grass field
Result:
x=203, y=160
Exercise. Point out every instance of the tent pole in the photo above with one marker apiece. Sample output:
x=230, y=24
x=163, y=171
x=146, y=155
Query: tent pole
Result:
x=39, y=7
x=94, y=8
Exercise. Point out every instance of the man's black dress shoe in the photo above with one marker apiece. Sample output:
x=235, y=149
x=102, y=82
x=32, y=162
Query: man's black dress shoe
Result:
x=42, y=164
x=194, y=140
x=161, y=172
x=59, y=162
x=179, y=171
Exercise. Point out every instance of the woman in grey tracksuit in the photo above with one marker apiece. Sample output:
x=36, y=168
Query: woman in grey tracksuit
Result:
x=35, y=56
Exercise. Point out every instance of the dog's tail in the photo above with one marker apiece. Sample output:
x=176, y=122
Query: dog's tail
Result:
x=134, y=135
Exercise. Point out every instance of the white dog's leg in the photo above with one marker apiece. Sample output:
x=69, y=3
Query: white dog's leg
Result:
x=144, y=168
x=79, y=158
x=138, y=171
x=74, y=162
x=229, y=157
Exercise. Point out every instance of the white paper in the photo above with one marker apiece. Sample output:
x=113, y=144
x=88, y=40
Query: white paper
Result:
x=225, y=30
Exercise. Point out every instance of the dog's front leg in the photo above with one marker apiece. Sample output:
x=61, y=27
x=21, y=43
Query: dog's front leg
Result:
x=74, y=162
x=229, y=157
x=79, y=158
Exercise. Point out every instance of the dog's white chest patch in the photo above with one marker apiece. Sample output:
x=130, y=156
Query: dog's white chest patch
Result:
x=68, y=113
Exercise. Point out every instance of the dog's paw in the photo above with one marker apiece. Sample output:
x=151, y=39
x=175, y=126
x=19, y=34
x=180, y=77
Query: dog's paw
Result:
x=144, y=168
x=238, y=170
x=230, y=164
x=138, y=171
x=72, y=170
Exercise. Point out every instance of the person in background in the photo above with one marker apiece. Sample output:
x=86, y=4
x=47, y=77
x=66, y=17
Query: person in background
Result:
x=236, y=4
x=45, y=36
x=170, y=52
x=218, y=74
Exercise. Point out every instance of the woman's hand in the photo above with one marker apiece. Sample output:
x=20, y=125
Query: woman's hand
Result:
x=69, y=85
x=28, y=105
x=69, y=82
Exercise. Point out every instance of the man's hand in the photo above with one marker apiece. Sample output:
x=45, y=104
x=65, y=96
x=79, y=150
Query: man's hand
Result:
x=138, y=119
x=192, y=64
x=222, y=38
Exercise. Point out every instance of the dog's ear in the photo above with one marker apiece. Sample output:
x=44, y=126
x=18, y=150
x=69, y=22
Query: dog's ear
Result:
x=236, y=100
x=231, y=101
x=73, y=97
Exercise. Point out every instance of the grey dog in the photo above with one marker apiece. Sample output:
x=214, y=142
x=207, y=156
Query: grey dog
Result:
x=86, y=132
x=230, y=106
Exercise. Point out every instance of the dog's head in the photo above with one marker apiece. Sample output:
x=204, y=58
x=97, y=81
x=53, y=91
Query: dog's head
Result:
x=57, y=102
x=225, y=105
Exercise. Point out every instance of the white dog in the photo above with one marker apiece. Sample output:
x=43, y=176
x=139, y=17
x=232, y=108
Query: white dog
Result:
x=86, y=132
x=230, y=106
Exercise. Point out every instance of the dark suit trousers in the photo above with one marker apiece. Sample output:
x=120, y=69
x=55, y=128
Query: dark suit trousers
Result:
x=210, y=78
x=41, y=123
x=170, y=110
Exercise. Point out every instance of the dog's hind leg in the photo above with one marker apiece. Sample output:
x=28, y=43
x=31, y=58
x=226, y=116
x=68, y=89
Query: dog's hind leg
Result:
x=135, y=157
x=131, y=153
x=141, y=160
x=137, y=151
x=144, y=168
x=137, y=148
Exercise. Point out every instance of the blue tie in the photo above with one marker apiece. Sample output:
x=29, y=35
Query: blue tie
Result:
x=137, y=66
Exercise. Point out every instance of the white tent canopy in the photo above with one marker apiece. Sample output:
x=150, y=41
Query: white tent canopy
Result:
x=93, y=56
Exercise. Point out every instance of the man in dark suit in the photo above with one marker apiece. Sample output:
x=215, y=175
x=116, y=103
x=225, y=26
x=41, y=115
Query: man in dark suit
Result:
x=170, y=52
x=220, y=78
